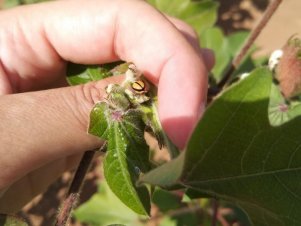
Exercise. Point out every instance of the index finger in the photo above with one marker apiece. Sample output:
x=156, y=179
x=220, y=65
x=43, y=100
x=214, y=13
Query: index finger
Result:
x=94, y=32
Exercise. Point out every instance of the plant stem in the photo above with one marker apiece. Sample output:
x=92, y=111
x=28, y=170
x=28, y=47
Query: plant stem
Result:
x=269, y=12
x=214, y=212
x=74, y=191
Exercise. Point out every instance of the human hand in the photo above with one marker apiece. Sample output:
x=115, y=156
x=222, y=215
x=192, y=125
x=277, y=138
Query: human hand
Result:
x=44, y=132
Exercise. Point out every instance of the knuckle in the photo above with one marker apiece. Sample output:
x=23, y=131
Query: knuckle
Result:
x=84, y=97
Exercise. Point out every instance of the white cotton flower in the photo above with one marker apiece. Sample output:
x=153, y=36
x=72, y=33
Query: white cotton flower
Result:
x=275, y=58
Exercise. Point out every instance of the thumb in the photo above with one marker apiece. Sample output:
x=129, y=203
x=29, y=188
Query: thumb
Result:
x=39, y=127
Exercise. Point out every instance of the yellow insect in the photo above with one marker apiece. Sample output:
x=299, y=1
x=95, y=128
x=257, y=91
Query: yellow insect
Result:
x=139, y=87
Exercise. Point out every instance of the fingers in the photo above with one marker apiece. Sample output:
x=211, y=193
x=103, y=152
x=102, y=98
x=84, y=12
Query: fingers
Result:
x=40, y=127
x=192, y=38
x=48, y=34
x=187, y=31
x=209, y=59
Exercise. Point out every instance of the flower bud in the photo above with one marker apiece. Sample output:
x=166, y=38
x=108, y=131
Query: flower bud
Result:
x=288, y=71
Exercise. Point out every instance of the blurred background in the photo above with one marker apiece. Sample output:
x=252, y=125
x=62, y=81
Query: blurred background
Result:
x=243, y=14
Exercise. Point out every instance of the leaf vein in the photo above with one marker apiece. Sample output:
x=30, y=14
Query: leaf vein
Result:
x=219, y=135
x=245, y=176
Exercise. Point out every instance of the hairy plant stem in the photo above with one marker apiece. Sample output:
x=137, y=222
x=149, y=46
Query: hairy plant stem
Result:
x=214, y=212
x=269, y=12
x=74, y=191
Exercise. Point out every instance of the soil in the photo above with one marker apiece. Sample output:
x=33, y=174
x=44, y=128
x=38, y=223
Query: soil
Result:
x=285, y=23
x=243, y=14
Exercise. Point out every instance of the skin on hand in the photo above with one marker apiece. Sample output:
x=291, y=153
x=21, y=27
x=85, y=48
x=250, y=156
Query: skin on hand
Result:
x=43, y=133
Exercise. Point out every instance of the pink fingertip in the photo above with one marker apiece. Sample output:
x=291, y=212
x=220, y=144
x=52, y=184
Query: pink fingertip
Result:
x=179, y=130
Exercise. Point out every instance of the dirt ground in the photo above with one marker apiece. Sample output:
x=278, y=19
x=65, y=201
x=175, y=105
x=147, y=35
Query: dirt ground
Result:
x=243, y=14
x=233, y=15
x=285, y=23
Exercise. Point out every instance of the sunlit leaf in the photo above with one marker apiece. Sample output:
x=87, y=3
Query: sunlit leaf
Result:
x=213, y=38
x=225, y=49
x=100, y=120
x=199, y=14
x=81, y=74
x=105, y=208
x=126, y=159
x=127, y=153
x=236, y=41
x=172, y=8
x=281, y=110
x=236, y=155
x=242, y=158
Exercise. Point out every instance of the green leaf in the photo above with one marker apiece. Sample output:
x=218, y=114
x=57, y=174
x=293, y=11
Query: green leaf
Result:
x=14, y=3
x=128, y=157
x=235, y=154
x=236, y=41
x=183, y=219
x=172, y=8
x=200, y=15
x=167, y=174
x=122, y=123
x=210, y=125
x=281, y=110
x=246, y=66
x=168, y=221
x=166, y=200
x=225, y=49
x=81, y=74
x=151, y=119
x=127, y=153
x=213, y=38
x=10, y=3
x=105, y=208
x=9, y=220
x=118, y=68
x=99, y=120
x=194, y=194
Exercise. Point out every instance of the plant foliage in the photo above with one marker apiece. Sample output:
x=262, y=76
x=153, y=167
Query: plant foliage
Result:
x=9, y=220
x=236, y=155
x=127, y=153
x=105, y=208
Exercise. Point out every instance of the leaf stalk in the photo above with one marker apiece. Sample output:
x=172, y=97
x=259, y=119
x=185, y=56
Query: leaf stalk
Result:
x=74, y=191
x=269, y=12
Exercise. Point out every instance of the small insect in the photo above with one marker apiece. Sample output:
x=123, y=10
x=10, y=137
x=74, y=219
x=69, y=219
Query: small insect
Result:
x=139, y=87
